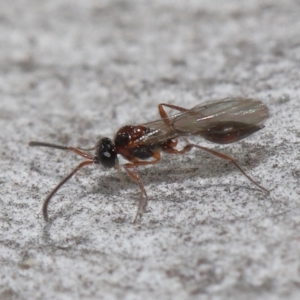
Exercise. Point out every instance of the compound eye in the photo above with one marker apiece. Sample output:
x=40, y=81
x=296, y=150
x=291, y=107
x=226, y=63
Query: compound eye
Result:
x=106, y=154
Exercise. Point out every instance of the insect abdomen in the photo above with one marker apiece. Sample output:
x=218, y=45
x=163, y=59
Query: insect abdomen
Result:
x=228, y=131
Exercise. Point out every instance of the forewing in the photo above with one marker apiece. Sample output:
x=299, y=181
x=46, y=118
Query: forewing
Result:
x=200, y=117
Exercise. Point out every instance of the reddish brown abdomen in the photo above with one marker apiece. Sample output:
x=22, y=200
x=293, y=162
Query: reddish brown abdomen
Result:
x=228, y=132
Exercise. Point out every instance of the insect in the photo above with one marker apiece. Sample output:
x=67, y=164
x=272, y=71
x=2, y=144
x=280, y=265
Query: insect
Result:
x=222, y=122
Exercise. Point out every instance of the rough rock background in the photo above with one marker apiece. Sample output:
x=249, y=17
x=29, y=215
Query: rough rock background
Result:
x=73, y=71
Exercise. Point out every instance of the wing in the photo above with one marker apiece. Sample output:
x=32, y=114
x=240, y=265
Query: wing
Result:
x=242, y=110
x=221, y=121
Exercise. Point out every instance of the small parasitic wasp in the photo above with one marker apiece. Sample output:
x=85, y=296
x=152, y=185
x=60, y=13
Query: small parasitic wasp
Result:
x=223, y=121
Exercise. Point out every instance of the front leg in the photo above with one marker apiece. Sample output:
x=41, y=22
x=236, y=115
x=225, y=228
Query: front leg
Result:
x=133, y=176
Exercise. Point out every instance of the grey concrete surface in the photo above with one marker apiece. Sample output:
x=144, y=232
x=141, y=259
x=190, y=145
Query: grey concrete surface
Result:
x=73, y=71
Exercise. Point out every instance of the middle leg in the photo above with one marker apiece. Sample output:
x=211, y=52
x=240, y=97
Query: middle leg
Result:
x=134, y=177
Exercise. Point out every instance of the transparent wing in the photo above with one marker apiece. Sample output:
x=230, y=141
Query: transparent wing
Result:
x=221, y=117
x=242, y=110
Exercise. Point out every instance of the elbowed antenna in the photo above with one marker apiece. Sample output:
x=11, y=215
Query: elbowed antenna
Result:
x=82, y=164
x=42, y=144
x=75, y=150
x=47, y=200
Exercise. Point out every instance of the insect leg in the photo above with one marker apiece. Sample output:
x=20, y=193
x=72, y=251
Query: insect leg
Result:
x=163, y=113
x=143, y=200
x=218, y=154
x=133, y=176
x=47, y=200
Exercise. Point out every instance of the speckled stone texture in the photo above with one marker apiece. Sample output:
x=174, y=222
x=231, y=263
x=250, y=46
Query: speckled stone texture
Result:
x=73, y=71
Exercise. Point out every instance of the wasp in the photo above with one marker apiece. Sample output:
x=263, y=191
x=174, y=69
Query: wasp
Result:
x=222, y=122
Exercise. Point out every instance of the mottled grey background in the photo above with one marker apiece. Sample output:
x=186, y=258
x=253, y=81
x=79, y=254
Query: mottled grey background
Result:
x=73, y=71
